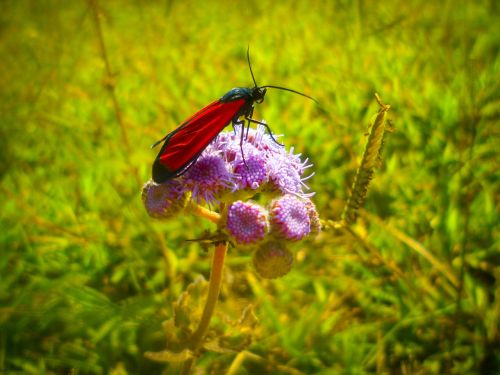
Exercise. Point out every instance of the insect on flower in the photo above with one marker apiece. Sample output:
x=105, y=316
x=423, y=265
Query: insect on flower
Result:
x=183, y=145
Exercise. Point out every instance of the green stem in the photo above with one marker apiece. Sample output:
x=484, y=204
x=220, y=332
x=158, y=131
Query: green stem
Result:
x=213, y=295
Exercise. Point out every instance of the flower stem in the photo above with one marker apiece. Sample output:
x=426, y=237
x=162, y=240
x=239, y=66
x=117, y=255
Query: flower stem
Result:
x=213, y=295
x=201, y=211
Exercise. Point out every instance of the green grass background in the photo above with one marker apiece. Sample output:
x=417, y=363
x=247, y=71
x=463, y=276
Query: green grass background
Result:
x=86, y=277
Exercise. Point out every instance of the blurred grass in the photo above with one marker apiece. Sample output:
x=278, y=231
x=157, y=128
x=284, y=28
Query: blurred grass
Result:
x=86, y=277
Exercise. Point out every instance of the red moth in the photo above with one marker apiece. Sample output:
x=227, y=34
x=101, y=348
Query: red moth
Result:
x=183, y=145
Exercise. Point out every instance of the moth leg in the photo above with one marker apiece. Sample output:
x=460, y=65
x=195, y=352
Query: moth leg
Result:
x=242, y=123
x=249, y=119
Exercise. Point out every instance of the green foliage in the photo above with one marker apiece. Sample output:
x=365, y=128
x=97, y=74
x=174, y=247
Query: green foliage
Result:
x=87, y=278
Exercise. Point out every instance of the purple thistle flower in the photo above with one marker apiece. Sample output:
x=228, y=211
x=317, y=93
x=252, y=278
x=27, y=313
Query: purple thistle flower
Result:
x=247, y=222
x=232, y=151
x=283, y=176
x=261, y=139
x=266, y=161
x=163, y=200
x=290, y=217
x=252, y=172
x=297, y=163
x=251, y=164
x=272, y=259
x=285, y=172
x=208, y=177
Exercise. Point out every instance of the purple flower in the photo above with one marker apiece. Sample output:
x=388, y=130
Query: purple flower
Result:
x=247, y=222
x=290, y=217
x=272, y=259
x=251, y=172
x=297, y=163
x=230, y=146
x=208, y=177
x=233, y=167
x=163, y=200
x=285, y=173
x=261, y=139
x=283, y=176
x=267, y=162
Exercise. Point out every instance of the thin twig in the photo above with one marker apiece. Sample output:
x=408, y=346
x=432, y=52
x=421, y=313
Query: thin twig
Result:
x=110, y=83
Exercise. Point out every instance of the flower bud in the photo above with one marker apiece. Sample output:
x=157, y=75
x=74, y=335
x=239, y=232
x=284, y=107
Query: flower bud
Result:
x=163, y=200
x=252, y=172
x=290, y=218
x=272, y=259
x=247, y=222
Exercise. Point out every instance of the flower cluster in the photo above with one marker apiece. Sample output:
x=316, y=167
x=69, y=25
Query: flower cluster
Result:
x=288, y=218
x=238, y=167
x=255, y=164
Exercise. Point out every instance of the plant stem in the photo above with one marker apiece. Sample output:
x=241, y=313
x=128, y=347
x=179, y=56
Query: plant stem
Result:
x=205, y=213
x=110, y=83
x=213, y=295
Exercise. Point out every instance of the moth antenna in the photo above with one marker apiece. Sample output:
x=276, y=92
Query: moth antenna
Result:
x=250, y=66
x=294, y=91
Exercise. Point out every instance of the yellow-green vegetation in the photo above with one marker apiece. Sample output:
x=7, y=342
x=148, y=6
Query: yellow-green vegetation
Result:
x=87, y=278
